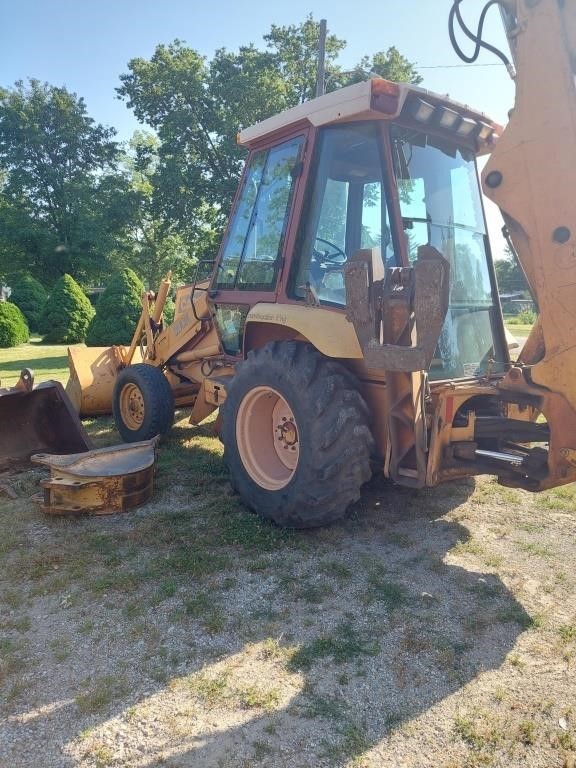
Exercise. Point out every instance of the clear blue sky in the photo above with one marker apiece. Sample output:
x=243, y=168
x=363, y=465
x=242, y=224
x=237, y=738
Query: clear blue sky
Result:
x=86, y=44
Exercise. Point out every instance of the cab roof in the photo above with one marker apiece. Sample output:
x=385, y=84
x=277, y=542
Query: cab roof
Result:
x=380, y=99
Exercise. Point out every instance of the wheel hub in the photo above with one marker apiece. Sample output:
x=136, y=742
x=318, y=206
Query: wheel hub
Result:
x=267, y=438
x=287, y=434
x=132, y=406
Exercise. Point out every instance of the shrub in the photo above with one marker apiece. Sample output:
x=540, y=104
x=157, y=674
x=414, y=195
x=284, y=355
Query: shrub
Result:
x=117, y=310
x=527, y=317
x=13, y=328
x=30, y=297
x=67, y=313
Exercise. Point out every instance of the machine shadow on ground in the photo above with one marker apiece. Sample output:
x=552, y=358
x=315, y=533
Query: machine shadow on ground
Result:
x=417, y=631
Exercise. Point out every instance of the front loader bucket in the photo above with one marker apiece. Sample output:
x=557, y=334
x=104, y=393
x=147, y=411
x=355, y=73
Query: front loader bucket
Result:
x=93, y=371
x=39, y=420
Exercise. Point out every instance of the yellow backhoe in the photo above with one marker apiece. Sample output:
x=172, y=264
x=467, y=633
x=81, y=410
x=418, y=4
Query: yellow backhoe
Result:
x=352, y=318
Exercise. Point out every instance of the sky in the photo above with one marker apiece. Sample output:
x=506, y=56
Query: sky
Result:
x=86, y=44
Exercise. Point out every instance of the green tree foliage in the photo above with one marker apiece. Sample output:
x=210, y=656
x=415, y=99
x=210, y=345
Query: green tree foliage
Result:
x=63, y=205
x=169, y=310
x=30, y=297
x=509, y=276
x=67, y=313
x=117, y=311
x=196, y=106
x=389, y=64
x=13, y=328
x=72, y=203
x=294, y=48
x=157, y=247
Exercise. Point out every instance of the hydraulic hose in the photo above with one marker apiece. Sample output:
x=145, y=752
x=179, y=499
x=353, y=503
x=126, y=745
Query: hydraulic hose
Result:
x=476, y=38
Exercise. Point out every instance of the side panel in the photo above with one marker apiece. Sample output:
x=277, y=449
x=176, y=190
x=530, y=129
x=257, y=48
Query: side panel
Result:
x=329, y=331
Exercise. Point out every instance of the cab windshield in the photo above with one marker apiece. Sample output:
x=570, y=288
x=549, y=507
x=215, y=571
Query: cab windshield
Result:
x=440, y=206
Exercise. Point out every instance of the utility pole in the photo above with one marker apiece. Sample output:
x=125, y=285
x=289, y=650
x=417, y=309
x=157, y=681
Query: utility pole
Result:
x=321, y=58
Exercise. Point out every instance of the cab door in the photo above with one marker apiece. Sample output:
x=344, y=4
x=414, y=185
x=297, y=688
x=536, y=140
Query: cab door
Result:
x=252, y=253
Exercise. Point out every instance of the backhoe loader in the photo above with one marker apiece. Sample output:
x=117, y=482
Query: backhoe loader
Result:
x=352, y=319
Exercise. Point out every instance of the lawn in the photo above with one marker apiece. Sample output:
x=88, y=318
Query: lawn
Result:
x=48, y=361
x=519, y=330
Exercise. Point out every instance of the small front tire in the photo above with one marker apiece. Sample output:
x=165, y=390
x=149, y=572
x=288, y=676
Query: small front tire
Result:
x=143, y=403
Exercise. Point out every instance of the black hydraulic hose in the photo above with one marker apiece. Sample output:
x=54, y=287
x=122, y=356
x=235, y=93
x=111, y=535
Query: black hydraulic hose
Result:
x=476, y=38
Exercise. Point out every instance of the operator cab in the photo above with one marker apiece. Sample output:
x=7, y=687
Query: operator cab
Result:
x=373, y=166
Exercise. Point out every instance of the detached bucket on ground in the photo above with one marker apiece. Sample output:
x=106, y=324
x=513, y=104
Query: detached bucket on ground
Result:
x=37, y=420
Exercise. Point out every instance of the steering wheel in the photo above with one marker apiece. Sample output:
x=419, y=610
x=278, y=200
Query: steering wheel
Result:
x=337, y=252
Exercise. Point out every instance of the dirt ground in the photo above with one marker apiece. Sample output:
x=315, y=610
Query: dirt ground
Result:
x=433, y=628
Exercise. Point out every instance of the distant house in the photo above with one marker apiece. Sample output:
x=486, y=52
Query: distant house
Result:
x=5, y=292
x=514, y=303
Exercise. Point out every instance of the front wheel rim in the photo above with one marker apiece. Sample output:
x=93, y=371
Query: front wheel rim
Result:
x=267, y=438
x=132, y=406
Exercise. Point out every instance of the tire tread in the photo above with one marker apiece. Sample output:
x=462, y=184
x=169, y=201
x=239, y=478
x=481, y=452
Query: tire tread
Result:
x=340, y=435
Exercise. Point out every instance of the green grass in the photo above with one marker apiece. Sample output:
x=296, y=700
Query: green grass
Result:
x=353, y=744
x=527, y=732
x=344, y=645
x=211, y=690
x=567, y=632
x=205, y=608
x=48, y=361
x=515, y=326
x=389, y=593
x=327, y=707
x=195, y=552
x=536, y=550
x=468, y=547
x=518, y=330
x=101, y=694
x=562, y=498
x=255, y=697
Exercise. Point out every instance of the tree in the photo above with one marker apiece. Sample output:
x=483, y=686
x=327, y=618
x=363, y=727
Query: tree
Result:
x=194, y=107
x=67, y=313
x=63, y=205
x=295, y=49
x=197, y=106
x=117, y=311
x=509, y=275
x=13, y=328
x=389, y=64
x=26, y=246
x=30, y=297
x=156, y=246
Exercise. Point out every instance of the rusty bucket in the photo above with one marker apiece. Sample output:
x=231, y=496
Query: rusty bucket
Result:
x=100, y=482
x=37, y=419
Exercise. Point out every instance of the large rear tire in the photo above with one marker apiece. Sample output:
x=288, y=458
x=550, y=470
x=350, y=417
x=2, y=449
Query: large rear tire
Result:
x=296, y=435
x=142, y=403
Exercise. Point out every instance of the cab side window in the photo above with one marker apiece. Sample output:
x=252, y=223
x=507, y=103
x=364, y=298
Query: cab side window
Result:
x=254, y=244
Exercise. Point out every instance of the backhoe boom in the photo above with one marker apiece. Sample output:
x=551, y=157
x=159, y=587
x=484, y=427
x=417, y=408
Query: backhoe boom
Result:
x=531, y=176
